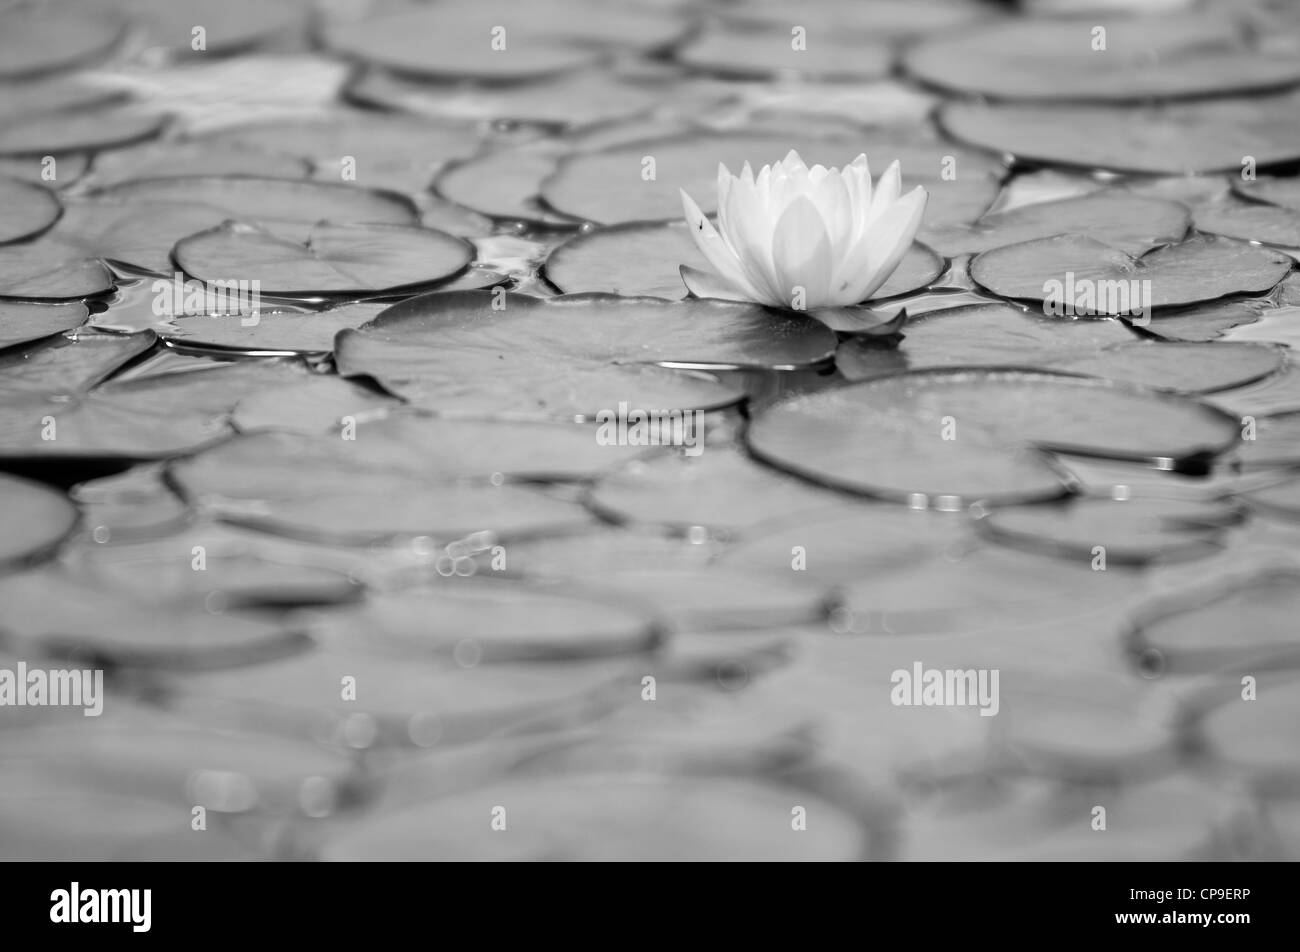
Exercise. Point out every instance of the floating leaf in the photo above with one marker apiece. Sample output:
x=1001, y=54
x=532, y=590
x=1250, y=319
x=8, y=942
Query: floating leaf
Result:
x=37, y=518
x=170, y=159
x=503, y=184
x=51, y=269
x=22, y=323
x=233, y=27
x=1178, y=139
x=1085, y=271
x=639, y=259
x=78, y=131
x=1132, y=224
x=1282, y=192
x=25, y=210
x=335, y=259
x=1184, y=367
x=1251, y=222
x=277, y=330
x=759, y=54
x=52, y=38
x=886, y=437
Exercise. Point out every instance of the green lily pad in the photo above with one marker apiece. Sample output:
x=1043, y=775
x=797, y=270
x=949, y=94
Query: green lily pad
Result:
x=645, y=259
x=570, y=356
x=886, y=437
x=1145, y=58
x=1178, y=139
x=25, y=210
x=37, y=519
x=1132, y=224
x=1275, y=441
x=988, y=335
x=1130, y=532
x=335, y=259
x=22, y=322
x=1200, y=269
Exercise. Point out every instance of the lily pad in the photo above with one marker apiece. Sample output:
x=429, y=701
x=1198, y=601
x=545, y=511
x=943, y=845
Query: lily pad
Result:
x=1129, y=532
x=22, y=322
x=316, y=406
x=570, y=356
x=1144, y=58
x=501, y=621
x=1200, y=630
x=279, y=330
x=611, y=186
x=1085, y=271
x=37, y=519
x=233, y=27
x=763, y=53
x=645, y=259
x=456, y=41
x=1178, y=139
x=1274, y=441
x=67, y=170
x=68, y=365
x=1255, y=739
x=1183, y=367
x=171, y=159
x=106, y=625
x=503, y=184
x=25, y=210
x=1206, y=322
x=78, y=131
x=335, y=259
x=51, y=269
x=885, y=437
x=606, y=817
x=54, y=37
x=1280, y=500
x=989, y=335
x=1132, y=224
x=1282, y=192
x=1251, y=221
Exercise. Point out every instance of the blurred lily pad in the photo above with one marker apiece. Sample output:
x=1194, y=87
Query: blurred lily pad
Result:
x=886, y=437
x=758, y=53
x=1178, y=139
x=25, y=210
x=1184, y=367
x=1251, y=221
x=637, y=258
x=37, y=519
x=233, y=27
x=54, y=37
x=79, y=131
x=1132, y=224
x=1282, y=192
x=335, y=259
x=1130, y=531
x=171, y=159
x=569, y=356
x=1055, y=58
x=1086, y=271
x=22, y=322
x=280, y=329
x=503, y=184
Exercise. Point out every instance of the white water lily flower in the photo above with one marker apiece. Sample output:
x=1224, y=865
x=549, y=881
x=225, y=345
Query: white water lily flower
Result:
x=795, y=237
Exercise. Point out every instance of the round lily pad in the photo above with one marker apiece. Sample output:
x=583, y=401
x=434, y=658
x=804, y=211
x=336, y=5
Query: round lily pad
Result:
x=991, y=335
x=1132, y=531
x=1282, y=192
x=22, y=322
x=336, y=259
x=616, y=185
x=503, y=621
x=38, y=519
x=575, y=355
x=1132, y=224
x=317, y=405
x=51, y=269
x=1251, y=221
x=886, y=437
x=53, y=37
x=232, y=27
x=1281, y=499
x=1205, y=136
x=1185, y=367
x=269, y=330
x=1056, y=58
x=25, y=210
x=639, y=258
x=1200, y=629
x=1094, y=278
x=606, y=817
x=152, y=160
x=762, y=53
x=503, y=184
x=62, y=366
x=43, y=134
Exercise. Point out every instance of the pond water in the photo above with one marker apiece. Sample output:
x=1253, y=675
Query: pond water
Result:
x=372, y=481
